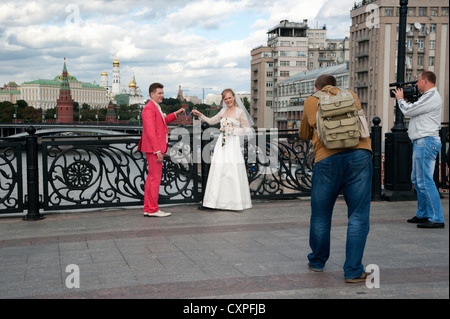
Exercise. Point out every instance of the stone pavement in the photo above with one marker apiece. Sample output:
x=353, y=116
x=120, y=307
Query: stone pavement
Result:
x=205, y=254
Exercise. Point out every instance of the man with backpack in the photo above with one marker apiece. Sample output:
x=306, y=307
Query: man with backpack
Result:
x=346, y=170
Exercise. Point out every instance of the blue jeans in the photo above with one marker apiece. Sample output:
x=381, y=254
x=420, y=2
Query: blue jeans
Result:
x=349, y=172
x=429, y=205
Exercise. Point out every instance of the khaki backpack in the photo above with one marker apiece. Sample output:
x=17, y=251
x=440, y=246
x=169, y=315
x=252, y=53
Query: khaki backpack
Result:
x=338, y=121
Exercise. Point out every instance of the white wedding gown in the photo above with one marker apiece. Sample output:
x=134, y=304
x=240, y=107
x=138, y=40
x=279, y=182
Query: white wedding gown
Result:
x=227, y=186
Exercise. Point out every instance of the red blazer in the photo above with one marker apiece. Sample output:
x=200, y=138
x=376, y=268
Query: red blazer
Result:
x=154, y=134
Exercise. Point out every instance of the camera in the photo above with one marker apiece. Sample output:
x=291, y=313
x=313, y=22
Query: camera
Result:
x=410, y=90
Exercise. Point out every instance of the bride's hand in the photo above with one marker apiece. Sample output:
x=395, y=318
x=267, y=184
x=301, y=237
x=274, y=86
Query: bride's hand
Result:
x=197, y=113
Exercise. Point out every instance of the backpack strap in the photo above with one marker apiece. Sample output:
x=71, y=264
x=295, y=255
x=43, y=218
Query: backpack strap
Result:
x=320, y=94
x=331, y=88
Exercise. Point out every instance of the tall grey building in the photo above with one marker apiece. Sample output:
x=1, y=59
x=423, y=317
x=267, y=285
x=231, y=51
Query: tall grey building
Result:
x=373, y=51
x=292, y=48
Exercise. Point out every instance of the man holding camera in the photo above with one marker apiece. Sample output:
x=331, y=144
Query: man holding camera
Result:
x=425, y=121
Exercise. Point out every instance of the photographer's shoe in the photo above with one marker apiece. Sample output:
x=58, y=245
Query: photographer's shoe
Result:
x=431, y=225
x=417, y=220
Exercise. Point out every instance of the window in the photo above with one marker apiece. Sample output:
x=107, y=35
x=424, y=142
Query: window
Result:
x=301, y=63
x=433, y=28
x=303, y=87
x=420, y=44
x=269, y=74
x=284, y=53
x=284, y=63
x=432, y=44
x=444, y=11
x=408, y=61
x=284, y=73
x=409, y=43
x=409, y=77
x=301, y=53
x=269, y=84
x=422, y=11
x=420, y=60
x=412, y=12
x=434, y=11
x=389, y=12
x=431, y=61
x=270, y=64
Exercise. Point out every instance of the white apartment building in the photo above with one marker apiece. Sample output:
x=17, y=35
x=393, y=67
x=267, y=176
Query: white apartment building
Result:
x=293, y=92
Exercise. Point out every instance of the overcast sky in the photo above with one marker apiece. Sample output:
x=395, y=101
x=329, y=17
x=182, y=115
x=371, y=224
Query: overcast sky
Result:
x=196, y=44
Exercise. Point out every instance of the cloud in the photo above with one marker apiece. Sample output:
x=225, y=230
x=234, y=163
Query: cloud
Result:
x=196, y=43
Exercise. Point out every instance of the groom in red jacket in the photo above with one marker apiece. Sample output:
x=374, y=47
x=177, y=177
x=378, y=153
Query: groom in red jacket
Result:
x=154, y=144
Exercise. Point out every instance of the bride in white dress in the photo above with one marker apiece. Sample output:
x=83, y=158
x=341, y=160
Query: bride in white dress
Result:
x=227, y=186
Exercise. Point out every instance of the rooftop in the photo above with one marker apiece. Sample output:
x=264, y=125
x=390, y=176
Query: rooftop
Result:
x=313, y=74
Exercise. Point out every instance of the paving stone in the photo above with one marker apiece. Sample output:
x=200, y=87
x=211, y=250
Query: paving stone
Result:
x=259, y=253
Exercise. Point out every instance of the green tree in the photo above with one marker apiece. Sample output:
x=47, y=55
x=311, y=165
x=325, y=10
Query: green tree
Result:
x=32, y=115
x=7, y=110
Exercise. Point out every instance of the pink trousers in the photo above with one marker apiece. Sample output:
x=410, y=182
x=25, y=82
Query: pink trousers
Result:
x=152, y=184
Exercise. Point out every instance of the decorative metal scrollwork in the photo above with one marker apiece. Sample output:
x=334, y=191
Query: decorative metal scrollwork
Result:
x=11, y=189
x=79, y=175
x=95, y=174
x=108, y=173
x=287, y=172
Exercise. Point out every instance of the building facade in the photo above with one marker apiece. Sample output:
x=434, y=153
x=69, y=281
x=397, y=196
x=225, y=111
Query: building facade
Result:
x=44, y=93
x=292, y=48
x=373, y=51
x=10, y=92
x=293, y=92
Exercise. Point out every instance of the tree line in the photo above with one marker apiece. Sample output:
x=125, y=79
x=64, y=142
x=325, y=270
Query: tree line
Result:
x=28, y=114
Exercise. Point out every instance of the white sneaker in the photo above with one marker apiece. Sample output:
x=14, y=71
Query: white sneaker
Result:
x=159, y=213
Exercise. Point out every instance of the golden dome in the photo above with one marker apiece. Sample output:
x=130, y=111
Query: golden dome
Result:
x=104, y=73
x=116, y=62
x=132, y=84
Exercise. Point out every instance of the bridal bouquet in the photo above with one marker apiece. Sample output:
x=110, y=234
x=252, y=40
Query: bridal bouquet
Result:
x=226, y=128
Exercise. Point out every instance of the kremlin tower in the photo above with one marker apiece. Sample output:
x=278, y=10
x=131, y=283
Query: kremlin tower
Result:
x=185, y=119
x=64, y=103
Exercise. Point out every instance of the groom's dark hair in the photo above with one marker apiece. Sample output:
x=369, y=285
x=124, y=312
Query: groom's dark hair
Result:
x=155, y=86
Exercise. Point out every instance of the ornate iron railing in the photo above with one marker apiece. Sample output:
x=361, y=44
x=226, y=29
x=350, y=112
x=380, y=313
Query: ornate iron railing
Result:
x=11, y=184
x=289, y=175
x=81, y=172
x=105, y=172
